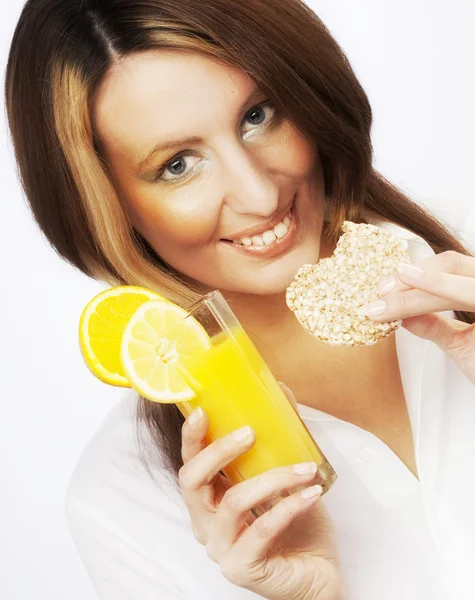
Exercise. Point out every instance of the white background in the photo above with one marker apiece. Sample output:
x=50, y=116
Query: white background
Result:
x=414, y=59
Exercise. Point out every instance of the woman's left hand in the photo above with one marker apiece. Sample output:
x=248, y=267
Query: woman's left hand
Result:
x=443, y=282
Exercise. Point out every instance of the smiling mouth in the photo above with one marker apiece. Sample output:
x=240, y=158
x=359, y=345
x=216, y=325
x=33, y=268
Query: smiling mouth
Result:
x=268, y=236
x=271, y=242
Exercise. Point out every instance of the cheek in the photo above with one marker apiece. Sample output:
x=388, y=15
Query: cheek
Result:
x=180, y=222
x=293, y=154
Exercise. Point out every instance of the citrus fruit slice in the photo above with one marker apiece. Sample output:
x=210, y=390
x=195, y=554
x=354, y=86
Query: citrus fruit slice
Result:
x=101, y=326
x=158, y=342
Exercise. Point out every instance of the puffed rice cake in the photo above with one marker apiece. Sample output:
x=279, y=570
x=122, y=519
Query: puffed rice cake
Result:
x=328, y=297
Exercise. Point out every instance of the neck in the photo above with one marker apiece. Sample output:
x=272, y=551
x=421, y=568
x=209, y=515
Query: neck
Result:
x=273, y=326
x=339, y=373
x=261, y=313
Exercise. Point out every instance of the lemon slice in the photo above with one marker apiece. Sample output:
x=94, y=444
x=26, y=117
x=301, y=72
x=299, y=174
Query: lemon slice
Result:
x=158, y=342
x=101, y=326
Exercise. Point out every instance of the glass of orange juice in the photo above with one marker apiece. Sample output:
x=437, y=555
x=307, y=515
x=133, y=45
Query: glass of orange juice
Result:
x=235, y=387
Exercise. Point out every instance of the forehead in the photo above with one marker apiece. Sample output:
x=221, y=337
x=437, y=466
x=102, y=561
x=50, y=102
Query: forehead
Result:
x=165, y=93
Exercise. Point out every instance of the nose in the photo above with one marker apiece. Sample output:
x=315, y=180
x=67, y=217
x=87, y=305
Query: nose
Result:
x=248, y=188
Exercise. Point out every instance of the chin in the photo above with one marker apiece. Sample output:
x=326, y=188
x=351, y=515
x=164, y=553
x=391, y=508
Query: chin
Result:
x=274, y=278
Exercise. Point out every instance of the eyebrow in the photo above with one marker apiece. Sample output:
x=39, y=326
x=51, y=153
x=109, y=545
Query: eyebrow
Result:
x=161, y=147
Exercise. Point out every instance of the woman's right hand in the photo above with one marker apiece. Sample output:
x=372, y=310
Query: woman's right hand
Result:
x=289, y=552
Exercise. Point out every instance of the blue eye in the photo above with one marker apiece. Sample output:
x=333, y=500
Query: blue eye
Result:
x=177, y=169
x=257, y=115
x=177, y=166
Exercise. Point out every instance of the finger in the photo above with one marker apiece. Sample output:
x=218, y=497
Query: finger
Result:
x=455, y=338
x=240, y=499
x=401, y=305
x=196, y=475
x=193, y=441
x=453, y=293
x=193, y=434
x=289, y=393
x=258, y=539
x=460, y=290
x=448, y=262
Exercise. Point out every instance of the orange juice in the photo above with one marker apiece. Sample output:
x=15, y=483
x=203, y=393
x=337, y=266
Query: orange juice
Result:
x=236, y=388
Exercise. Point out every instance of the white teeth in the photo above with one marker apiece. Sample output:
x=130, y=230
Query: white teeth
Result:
x=280, y=230
x=268, y=237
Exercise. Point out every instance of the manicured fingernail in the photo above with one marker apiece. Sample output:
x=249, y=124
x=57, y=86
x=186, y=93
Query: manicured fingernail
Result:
x=410, y=271
x=242, y=435
x=311, y=492
x=386, y=285
x=283, y=386
x=195, y=416
x=305, y=468
x=375, y=309
x=288, y=392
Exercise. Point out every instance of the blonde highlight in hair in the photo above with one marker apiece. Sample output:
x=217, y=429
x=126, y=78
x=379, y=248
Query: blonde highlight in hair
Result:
x=61, y=53
x=106, y=216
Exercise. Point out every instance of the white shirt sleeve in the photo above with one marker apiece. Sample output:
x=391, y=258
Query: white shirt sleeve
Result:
x=118, y=568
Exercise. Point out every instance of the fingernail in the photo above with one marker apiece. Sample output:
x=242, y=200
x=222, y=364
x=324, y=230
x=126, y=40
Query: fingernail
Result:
x=386, y=285
x=375, y=308
x=410, y=271
x=242, y=435
x=286, y=390
x=311, y=492
x=195, y=416
x=305, y=468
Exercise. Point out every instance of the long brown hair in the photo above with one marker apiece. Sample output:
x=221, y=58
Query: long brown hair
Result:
x=62, y=50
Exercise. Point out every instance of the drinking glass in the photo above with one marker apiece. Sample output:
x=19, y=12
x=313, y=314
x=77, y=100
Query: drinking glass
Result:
x=235, y=387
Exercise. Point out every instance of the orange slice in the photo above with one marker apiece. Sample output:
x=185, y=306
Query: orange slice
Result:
x=101, y=327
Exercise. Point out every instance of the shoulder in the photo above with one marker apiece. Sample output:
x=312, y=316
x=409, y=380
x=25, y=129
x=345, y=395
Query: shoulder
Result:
x=111, y=478
x=130, y=526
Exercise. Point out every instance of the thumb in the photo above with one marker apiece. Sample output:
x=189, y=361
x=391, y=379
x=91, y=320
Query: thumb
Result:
x=289, y=393
x=454, y=337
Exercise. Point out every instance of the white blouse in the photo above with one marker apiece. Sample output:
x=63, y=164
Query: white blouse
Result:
x=398, y=537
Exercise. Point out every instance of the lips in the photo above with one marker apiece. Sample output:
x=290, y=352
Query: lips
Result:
x=269, y=235
x=278, y=246
x=268, y=227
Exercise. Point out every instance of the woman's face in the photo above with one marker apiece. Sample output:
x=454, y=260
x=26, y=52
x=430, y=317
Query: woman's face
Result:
x=238, y=204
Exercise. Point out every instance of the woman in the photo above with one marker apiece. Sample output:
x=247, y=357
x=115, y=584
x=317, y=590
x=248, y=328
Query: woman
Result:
x=98, y=93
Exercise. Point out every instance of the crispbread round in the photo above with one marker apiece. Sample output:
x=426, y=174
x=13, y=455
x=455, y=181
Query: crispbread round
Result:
x=328, y=297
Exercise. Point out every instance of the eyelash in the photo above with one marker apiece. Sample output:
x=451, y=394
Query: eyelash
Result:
x=184, y=153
